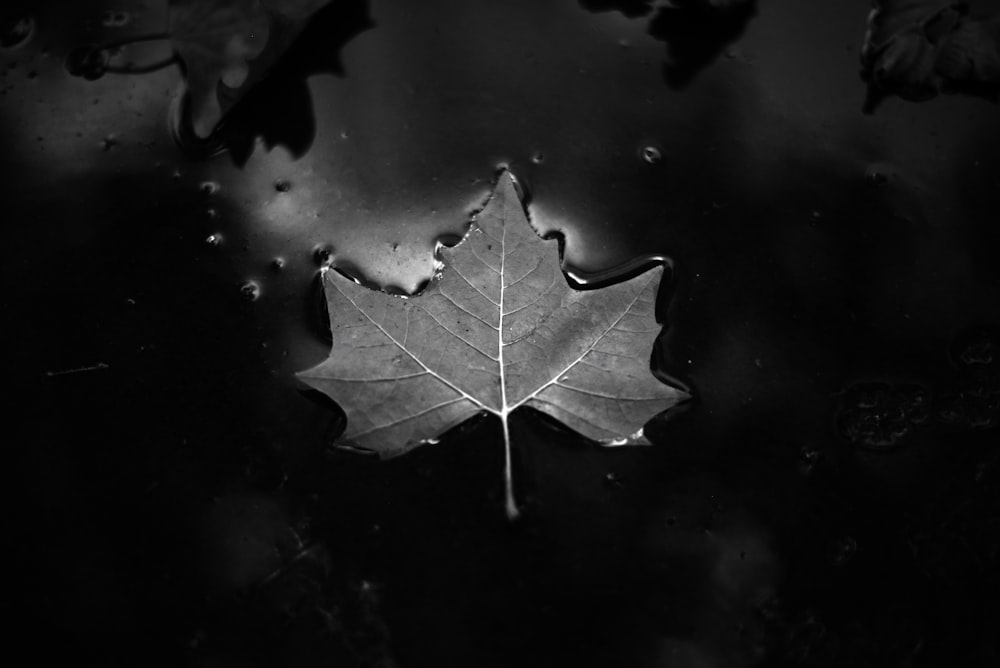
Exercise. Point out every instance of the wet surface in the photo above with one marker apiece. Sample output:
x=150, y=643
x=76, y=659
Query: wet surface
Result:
x=829, y=499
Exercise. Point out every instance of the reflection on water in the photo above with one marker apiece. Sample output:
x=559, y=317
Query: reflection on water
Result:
x=829, y=499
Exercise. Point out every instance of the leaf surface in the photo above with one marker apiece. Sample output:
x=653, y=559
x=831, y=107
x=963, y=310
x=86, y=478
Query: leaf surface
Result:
x=499, y=329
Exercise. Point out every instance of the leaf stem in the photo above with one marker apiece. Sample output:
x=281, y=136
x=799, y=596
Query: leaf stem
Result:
x=512, y=512
x=508, y=478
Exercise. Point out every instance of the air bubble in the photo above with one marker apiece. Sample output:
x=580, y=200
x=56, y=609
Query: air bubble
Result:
x=651, y=155
x=209, y=187
x=278, y=263
x=323, y=255
x=250, y=291
x=15, y=31
x=282, y=185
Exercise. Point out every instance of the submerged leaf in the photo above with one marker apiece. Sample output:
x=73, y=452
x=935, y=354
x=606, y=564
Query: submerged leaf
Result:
x=696, y=32
x=499, y=329
x=215, y=40
x=228, y=46
x=917, y=49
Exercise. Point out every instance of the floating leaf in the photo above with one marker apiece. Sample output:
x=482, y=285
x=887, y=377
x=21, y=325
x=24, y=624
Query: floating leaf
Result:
x=499, y=329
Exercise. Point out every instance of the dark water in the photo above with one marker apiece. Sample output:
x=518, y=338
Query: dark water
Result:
x=830, y=498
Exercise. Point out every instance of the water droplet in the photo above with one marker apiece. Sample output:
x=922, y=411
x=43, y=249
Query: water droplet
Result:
x=250, y=290
x=16, y=30
x=538, y=157
x=651, y=155
x=213, y=239
x=323, y=255
x=209, y=187
x=87, y=61
x=282, y=185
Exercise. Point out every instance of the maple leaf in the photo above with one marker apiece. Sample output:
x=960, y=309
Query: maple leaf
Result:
x=498, y=329
x=917, y=49
x=228, y=46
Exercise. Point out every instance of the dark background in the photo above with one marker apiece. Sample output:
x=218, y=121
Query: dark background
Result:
x=829, y=498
